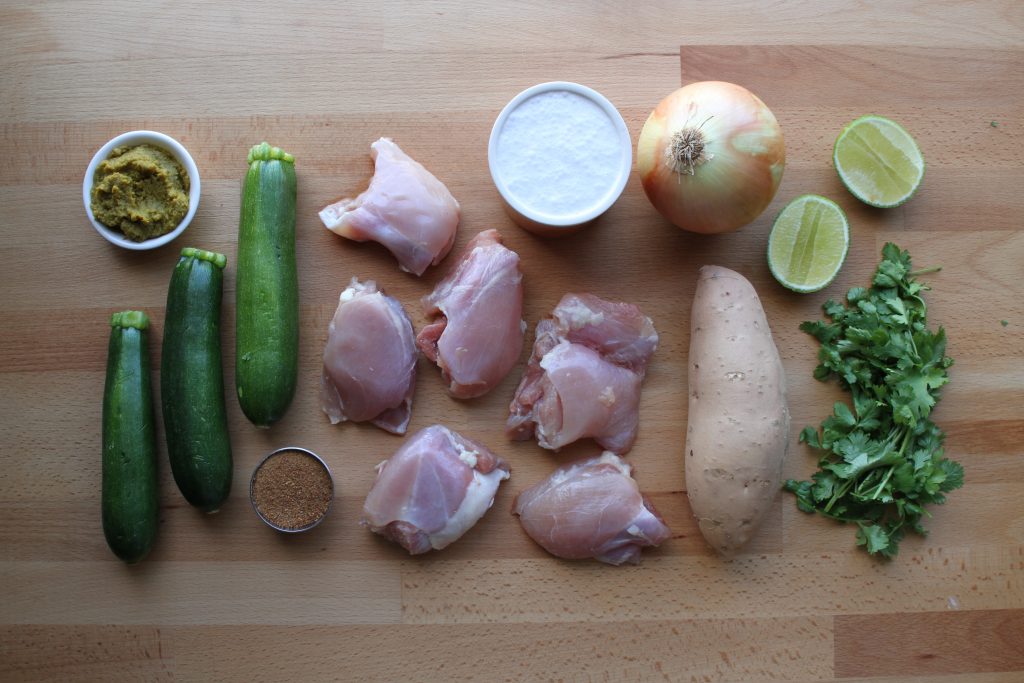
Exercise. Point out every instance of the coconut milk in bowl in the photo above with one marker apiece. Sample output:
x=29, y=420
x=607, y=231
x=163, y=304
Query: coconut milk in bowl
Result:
x=560, y=155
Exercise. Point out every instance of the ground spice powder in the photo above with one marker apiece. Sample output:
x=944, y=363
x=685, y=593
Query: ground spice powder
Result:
x=292, y=489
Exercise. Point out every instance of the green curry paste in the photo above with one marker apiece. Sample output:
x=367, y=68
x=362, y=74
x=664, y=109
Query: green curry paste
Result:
x=141, y=191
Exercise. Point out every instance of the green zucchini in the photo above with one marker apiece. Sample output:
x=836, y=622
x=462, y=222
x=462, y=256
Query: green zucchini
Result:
x=130, y=496
x=192, y=381
x=267, y=299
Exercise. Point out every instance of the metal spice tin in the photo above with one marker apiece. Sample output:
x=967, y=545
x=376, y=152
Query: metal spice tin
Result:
x=252, y=496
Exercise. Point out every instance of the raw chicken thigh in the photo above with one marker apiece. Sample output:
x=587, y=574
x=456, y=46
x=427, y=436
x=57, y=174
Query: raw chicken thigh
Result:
x=369, y=360
x=433, y=490
x=479, y=334
x=406, y=209
x=583, y=379
x=592, y=508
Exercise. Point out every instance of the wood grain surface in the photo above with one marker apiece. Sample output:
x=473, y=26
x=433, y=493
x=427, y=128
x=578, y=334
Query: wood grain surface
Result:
x=225, y=598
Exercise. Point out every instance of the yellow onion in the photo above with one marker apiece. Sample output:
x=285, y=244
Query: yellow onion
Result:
x=711, y=157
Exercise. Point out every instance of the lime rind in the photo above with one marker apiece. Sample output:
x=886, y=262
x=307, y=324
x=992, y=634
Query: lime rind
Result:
x=792, y=250
x=853, y=179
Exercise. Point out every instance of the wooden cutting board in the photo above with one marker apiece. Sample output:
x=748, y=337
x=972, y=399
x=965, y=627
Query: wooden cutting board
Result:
x=225, y=598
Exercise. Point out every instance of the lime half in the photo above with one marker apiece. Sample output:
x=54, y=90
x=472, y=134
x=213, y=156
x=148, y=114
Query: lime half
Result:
x=878, y=161
x=808, y=244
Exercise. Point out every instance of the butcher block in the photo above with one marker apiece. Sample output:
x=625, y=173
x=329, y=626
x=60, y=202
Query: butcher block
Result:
x=223, y=597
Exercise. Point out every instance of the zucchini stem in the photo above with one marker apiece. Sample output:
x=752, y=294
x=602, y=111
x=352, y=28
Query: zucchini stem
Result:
x=213, y=257
x=135, y=319
x=264, y=152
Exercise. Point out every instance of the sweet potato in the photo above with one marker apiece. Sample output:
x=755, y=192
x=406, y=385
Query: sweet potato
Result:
x=738, y=430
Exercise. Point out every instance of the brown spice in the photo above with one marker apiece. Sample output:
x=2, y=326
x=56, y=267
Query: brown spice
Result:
x=292, y=489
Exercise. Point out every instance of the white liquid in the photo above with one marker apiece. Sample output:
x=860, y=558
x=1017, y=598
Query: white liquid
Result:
x=559, y=154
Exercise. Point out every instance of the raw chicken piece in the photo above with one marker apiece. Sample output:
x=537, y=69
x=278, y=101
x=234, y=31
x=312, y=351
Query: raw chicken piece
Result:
x=479, y=334
x=618, y=331
x=591, y=508
x=433, y=490
x=369, y=360
x=584, y=395
x=405, y=208
x=583, y=379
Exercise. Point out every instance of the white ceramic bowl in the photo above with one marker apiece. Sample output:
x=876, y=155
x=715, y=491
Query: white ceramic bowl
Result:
x=130, y=139
x=548, y=224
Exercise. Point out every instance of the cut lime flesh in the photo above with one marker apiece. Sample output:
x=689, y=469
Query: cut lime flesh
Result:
x=878, y=161
x=808, y=243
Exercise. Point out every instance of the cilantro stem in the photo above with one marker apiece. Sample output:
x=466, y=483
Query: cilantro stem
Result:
x=839, y=494
x=924, y=271
x=885, y=481
x=907, y=433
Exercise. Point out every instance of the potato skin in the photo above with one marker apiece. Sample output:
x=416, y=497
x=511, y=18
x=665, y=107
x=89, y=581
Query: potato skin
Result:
x=738, y=431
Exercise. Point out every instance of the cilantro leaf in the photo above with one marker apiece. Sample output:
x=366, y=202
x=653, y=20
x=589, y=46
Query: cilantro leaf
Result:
x=881, y=459
x=954, y=475
x=809, y=435
x=873, y=537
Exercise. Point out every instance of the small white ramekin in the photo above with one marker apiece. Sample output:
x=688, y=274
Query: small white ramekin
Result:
x=130, y=139
x=541, y=223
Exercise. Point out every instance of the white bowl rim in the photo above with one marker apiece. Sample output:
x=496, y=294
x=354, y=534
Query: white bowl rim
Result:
x=139, y=137
x=570, y=220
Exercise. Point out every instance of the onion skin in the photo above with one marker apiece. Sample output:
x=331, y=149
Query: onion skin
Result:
x=731, y=187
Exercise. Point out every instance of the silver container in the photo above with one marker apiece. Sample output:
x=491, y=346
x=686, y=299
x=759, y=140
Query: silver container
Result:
x=252, y=497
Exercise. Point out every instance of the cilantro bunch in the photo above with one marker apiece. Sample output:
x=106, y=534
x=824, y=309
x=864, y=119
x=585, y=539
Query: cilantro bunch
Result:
x=882, y=461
